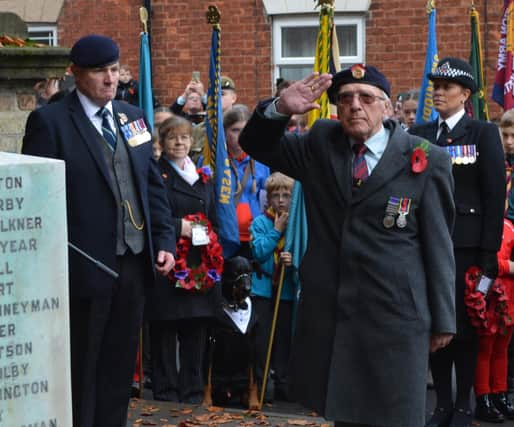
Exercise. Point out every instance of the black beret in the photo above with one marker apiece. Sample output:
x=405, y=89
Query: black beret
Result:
x=455, y=70
x=94, y=51
x=358, y=73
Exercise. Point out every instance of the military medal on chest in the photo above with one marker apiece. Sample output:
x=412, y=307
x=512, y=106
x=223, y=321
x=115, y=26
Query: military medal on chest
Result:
x=403, y=211
x=391, y=210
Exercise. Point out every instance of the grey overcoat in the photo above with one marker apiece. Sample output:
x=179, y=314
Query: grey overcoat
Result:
x=371, y=295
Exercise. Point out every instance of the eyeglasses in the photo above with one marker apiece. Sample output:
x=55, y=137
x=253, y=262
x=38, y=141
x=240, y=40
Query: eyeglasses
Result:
x=278, y=196
x=346, y=98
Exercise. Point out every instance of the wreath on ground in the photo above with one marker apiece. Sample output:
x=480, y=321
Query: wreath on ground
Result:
x=487, y=313
x=204, y=276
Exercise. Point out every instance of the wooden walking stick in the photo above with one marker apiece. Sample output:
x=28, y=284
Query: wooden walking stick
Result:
x=272, y=335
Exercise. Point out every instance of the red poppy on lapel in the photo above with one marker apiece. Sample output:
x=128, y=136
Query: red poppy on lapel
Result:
x=419, y=156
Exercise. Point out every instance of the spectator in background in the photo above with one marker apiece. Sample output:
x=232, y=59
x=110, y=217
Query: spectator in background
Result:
x=228, y=93
x=298, y=123
x=248, y=176
x=177, y=314
x=127, y=87
x=185, y=106
x=507, y=135
x=159, y=115
x=409, y=107
x=267, y=241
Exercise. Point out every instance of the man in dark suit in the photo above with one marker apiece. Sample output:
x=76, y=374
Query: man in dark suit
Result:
x=118, y=213
x=479, y=173
x=377, y=278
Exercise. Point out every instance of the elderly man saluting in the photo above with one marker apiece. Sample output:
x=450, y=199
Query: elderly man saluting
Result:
x=377, y=278
x=118, y=213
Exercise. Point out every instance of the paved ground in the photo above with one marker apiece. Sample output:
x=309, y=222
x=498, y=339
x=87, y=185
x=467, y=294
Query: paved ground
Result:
x=147, y=412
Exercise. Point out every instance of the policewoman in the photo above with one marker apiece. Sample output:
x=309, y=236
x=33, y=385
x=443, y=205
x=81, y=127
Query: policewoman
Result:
x=479, y=173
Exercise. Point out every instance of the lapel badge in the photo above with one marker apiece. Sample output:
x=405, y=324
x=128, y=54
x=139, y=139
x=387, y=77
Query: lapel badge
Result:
x=165, y=176
x=358, y=71
x=123, y=118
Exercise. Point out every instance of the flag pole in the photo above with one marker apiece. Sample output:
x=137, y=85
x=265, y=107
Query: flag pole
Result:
x=272, y=335
x=143, y=16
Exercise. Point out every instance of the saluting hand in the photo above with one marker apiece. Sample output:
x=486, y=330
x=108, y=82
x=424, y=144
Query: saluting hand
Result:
x=300, y=97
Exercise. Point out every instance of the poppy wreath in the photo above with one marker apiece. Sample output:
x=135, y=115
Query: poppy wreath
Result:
x=204, y=276
x=488, y=315
x=419, y=157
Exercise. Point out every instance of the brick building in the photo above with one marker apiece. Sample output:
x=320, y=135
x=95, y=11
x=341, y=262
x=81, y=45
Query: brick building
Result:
x=263, y=39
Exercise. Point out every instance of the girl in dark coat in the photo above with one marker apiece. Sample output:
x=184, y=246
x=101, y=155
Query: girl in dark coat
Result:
x=177, y=314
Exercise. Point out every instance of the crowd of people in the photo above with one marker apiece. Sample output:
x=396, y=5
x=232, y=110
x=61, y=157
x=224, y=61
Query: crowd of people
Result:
x=408, y=264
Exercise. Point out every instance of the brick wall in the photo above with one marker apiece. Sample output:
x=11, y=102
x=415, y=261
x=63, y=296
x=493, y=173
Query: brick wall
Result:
x=396, y=37
x=181, y=40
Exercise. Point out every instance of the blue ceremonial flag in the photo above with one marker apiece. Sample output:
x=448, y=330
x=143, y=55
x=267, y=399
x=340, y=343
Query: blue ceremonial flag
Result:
x=426, y=111
x=145, y=79
x=217, y=156
x=297, y=231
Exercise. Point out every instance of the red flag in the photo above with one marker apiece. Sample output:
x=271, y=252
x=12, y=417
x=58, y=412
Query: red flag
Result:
x=503, y=90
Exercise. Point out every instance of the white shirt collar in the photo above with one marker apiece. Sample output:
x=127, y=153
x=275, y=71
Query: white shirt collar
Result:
x=90, y=108
x=452, y=120
x=377, y=143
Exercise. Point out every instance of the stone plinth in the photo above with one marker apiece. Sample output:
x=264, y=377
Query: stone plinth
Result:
x=20, y=69
x=35, y=373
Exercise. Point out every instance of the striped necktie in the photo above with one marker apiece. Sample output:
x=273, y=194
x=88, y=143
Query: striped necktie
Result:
x=360, y=167
x=107, y=131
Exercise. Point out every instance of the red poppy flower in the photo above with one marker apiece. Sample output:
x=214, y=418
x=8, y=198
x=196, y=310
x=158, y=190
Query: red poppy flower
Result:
x=418, y=160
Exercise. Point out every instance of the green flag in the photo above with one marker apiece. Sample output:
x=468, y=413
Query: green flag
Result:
x=478, y=100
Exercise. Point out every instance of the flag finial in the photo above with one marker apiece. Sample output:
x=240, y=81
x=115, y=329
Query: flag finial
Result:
x=143, y=17
x=213, y=15
x=430, y=6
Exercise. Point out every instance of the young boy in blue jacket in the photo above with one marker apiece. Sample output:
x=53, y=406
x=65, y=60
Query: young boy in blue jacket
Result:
x=267, y=242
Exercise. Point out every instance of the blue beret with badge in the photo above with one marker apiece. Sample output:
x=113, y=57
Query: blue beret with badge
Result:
x=455, y=70
x=358, y=73
x=94, y=51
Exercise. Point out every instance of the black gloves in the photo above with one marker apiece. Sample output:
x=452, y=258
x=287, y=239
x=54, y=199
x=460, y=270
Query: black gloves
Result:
x=488, y=262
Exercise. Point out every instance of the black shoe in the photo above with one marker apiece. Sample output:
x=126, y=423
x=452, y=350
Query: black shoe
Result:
x=135, y=391
x=461, y=418
x=440, y=418
x=486, y=411
x=502, y=402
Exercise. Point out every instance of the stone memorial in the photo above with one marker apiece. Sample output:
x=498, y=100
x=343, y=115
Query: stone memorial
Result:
x=35, y=375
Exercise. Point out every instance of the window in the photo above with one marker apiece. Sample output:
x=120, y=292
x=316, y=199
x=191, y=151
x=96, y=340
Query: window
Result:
x=46, y=34
x=294, y=44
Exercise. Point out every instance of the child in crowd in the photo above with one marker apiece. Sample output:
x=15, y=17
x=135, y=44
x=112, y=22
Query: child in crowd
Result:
x=127, y=87
x=267, y=242
x=493, y=404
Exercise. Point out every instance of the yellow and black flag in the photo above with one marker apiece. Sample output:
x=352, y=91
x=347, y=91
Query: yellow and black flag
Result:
x=326, y=58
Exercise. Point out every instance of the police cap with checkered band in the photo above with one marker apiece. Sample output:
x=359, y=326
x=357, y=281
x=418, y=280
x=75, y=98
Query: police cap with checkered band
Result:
x=455, y=70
